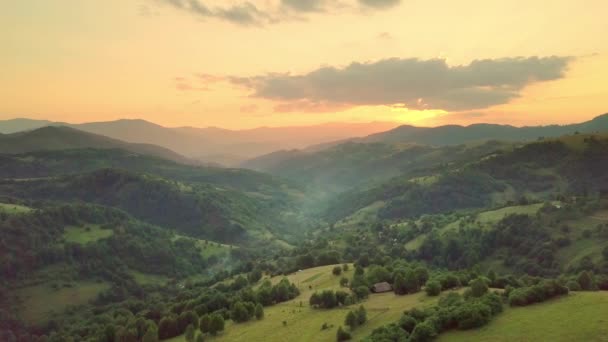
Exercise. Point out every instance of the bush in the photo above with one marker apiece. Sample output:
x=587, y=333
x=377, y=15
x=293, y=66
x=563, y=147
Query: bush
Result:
x=423, y=332
x=337, y=271
x=478, y=287
x=472, y=315
x=344, y=282
x=342, y=335
x=407, y=323
x=573, y=285
x=433, y=288
x=585, y=280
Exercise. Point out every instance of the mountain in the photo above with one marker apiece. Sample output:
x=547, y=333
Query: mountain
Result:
x=540, y=170
x=61, y=138
x=354, y=161
x=354, y=164
x=212, y=144
x=20, y=124
x=454, y=134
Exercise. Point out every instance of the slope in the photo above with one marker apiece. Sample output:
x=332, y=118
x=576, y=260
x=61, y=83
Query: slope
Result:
x=61, y=138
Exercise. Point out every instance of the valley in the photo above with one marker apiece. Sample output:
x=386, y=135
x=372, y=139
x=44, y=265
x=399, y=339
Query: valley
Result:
x=114, y=243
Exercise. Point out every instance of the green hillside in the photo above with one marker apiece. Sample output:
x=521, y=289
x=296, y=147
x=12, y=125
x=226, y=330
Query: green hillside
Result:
x=62, y=138
x=577, y=317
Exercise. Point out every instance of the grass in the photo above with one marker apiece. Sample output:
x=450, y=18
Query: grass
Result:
x=580, y=316
x=362, y=215
x=39, y=302
x=86, y=234
x=149, y=279
x=304, y=323
x=208, y=248
x=9, y=208
x=493, y=216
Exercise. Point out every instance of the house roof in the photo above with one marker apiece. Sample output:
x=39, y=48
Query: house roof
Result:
x=382, y=287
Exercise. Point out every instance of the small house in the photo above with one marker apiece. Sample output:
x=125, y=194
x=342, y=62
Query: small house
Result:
x=382, y=287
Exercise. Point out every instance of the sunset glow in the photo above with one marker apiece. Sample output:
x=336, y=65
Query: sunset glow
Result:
x=80, y=61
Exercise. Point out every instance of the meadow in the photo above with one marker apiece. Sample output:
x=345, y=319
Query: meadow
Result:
x=303, y=323
x=581, y=316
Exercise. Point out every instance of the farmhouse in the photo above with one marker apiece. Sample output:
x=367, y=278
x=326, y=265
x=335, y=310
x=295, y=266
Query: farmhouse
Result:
x=382, y=287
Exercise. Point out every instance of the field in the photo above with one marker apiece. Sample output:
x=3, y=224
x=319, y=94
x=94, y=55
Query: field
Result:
x=86, y=234
x=304, y=323
x=39, y=302
x=581, y=316
x=149, y=279
x=13, y=208
x=208, y=248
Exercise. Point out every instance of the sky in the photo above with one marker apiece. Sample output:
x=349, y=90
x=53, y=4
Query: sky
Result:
x=242, y=64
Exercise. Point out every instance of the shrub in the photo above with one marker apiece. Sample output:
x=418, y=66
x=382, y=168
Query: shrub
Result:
x=423, y=332
x=573, y=285
x=337, y=271
x=585, y=280
x=344, y=282
x=342, y=335
x=472, y=315
x=478, y=288
x=433, y=288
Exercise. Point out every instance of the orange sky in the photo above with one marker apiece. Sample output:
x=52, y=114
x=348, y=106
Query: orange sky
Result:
x=163, y=61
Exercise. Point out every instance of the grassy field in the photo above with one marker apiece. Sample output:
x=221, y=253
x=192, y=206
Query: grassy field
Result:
x=14, y=208
x=149, y=279
x=208, y=248
x=581, y=316
x=86, y=234
x=39, y=302
x=304, y=323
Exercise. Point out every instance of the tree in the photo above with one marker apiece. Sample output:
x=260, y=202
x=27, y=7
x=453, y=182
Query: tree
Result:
x=259, y=311
x=190, y=333
x=345, y=266
x=585, y=280
x=478, y=287
x=151, y=334
x=254, y=276
x=351, y=320
x=216, y=324
x=239, y=313
x=411, y=282
x=337, y=271
x=361, y=315
x=433, y=288
x=344, y=282
x=342, y=335
x=167, y=328
x=422, y=274
x=399, y=285
x=204, y=323
x=423, y=332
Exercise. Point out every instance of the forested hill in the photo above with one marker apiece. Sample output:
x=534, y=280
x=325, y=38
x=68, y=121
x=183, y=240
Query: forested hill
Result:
x=349, y=165
x=572, y=164
x=62, y=138
x=287, y=162
x=74, y=161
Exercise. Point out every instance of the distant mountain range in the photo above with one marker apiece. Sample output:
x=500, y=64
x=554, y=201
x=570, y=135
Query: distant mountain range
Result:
x=212, y=145
x=455, y=134
x=351, y=162
x=53, y=138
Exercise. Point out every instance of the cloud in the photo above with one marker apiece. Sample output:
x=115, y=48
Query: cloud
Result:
x=305, y=5
x=414, y=83
x=246, y=13
x=381, y=4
